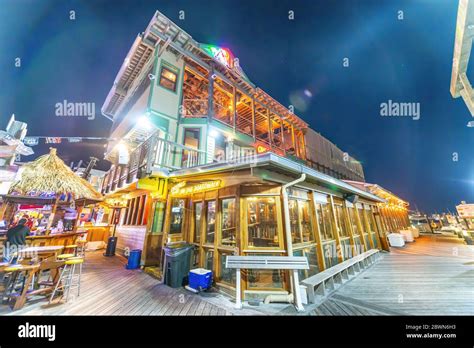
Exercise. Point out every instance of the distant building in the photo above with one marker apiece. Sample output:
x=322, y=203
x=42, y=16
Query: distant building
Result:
x=11, y=149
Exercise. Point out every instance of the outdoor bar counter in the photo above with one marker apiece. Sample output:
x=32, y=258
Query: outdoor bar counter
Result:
x=64, y=239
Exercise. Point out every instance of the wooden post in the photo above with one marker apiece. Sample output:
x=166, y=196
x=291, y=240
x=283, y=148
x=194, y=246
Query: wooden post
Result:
x=3, y=209
x=349, y=224
x=335, y=225
x=360, y=227
x=51, y=217
x=317, y=236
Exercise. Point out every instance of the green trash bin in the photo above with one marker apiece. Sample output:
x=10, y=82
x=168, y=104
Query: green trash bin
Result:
x=177, y=263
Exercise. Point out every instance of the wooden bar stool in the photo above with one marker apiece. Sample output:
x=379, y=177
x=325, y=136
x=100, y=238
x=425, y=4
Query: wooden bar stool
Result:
x=28, y=272
x=81, y=248
x=70, y=249
x=64, y=256
x=70, y=278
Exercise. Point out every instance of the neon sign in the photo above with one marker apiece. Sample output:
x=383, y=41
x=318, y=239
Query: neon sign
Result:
x=181, y=189
x=222, y=55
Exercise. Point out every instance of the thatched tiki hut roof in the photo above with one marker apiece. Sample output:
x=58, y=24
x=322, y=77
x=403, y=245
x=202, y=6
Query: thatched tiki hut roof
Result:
x=50, y=174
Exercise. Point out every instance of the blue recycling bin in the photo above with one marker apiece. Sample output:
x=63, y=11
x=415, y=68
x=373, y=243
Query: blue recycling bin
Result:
x=200, y=279
x=134, y=259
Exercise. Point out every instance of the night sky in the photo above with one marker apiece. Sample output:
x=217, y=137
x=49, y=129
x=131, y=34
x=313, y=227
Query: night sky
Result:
x=405, y=60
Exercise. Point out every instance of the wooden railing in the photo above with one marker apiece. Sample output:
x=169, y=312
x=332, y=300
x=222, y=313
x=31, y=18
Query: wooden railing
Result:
x=153, y=154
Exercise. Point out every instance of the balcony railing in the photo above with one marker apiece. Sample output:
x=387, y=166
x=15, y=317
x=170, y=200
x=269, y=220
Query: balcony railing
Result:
x=195, y=107
x=153, y=154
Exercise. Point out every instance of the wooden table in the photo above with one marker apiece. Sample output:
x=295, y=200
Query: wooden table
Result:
x=42, y=252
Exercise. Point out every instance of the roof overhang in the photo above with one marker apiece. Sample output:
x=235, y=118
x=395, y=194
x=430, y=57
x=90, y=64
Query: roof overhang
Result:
x=379, y=191
x=280, y=165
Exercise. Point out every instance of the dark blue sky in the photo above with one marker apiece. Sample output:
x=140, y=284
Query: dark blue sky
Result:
x=403, y=61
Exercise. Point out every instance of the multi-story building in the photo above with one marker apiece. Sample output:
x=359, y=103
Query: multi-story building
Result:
x=203, y=155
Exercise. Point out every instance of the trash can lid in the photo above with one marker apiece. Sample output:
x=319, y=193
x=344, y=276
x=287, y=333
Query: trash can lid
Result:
x=178, y=245
x=200, y=271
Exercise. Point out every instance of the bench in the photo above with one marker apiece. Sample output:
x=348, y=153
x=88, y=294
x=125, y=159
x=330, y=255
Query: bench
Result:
x=322, y=284
x=293, y=263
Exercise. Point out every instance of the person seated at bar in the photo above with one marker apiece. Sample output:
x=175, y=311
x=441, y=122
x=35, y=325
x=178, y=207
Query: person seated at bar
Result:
x=16, y=238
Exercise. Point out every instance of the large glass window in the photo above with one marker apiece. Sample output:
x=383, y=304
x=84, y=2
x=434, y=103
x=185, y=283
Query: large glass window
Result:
x=228, y=222
x=342, y=224
x=324, y=220
x=197, y=221
x=370, y=219
x=158, y=217
x=209, y=260
x=262, y=224
x=227, y=275
x=168, y=79
x=265, y=279
x=295, y=228
x=352, y=217
x=330, y=254
x=191, y=140
x=211, y=222
x=311, y=255
x=177, y=215
x=301, y=229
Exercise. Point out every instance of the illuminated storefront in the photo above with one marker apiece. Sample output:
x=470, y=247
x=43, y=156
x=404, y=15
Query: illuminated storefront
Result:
x=188, y=117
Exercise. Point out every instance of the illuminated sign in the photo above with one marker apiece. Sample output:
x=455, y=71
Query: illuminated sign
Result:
x=181, y=189
x=261, y=149
x=222, y=55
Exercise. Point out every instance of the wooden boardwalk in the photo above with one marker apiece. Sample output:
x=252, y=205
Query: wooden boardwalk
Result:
x=107, y=288
x=432, y=276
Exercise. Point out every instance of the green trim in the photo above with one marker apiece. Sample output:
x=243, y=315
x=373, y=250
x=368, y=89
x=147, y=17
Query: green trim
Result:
x=237, y=135
x=174, y=69
x=162, y=114
x=196, y=120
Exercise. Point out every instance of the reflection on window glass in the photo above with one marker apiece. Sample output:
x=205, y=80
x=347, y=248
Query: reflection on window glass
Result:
x=301, y=229
x=228, y=222
x=211, y=222
x=209, y=260
x=362, y=219
x=227, y=274
x=330, y=254
x=262, y=222
x=342, y=226
x=324, y=218
x=352, y=217
x=197, y=221
x=195, y=260
x=311, y=255
x=158, y=218
x=306, y=228
x=177, y=215
x=370, y=219
x=295, y=228
x=265, y=279
x=168, y=79
x=346, y=248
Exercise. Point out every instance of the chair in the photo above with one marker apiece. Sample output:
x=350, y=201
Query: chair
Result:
x=69, y=279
